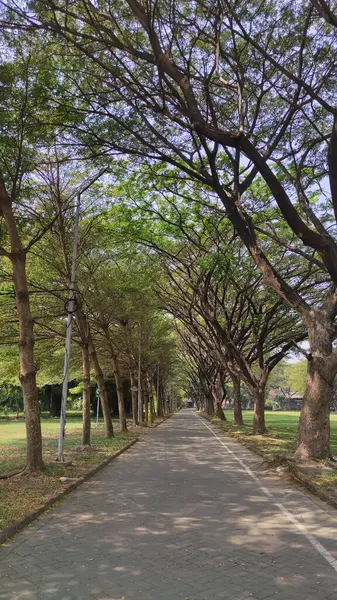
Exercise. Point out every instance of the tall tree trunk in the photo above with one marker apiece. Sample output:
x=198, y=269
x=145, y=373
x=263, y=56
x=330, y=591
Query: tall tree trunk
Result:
x=134, y=398
x=102, y=390
x=34, y=461
x=238, y=420
x=209, y=405
x=217, y=394
x=151, y=405
x=120, y=395
x=146, y=401
x=83, y=328
x=166, y=403
x=160, y=397
x=314, y=423
x=259, y=426
x=118, y=381
x=140, y=402
x=218, y=410
x=86, y=406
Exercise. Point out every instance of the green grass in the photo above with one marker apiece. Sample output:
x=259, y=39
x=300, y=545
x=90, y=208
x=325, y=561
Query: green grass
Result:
x=280, y=440
x=13, y=440
x=20, y=495
x=44, y=415
x=282, y=431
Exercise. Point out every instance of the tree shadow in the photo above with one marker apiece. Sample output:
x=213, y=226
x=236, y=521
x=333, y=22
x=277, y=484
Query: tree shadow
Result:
x=175, y=518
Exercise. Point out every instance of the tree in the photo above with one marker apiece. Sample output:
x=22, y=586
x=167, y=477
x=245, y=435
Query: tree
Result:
x=25, y=215
x=214, y=290
x=233, y=110
x=297, y=376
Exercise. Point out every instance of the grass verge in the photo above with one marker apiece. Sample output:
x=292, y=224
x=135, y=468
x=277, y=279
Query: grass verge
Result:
x=279, y=443
x=20, y=496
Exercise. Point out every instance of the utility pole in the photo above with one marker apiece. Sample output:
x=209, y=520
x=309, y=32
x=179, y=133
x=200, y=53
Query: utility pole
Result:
x=71, y=309
x=97, y=408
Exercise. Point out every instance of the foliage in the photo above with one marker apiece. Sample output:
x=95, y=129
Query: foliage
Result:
x=213, y=223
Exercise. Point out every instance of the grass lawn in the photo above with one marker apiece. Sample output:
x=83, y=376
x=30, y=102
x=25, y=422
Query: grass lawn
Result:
x=280, y=440
x=21, y=495
x=282, y=430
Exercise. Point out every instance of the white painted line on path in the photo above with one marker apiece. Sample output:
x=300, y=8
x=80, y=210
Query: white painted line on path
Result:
x=311, y=538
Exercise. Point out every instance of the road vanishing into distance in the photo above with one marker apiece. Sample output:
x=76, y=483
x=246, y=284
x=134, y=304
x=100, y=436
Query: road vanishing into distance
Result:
x=186, y=513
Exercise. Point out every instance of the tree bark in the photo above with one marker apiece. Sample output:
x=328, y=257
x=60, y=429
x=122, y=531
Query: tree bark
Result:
x=160, y=402
x=134, y=399
x=151, y=404
x=86, y=406
x=146, y=401
x=209, y=406
x=102, y=391
x=217, y=394
x=84, y=331
x=259, y=426
x=120, y=395
x=166, y=404
x=34, y=461
x=314, y=423
x=218, y=410
x=238, y=420
x=140, y=402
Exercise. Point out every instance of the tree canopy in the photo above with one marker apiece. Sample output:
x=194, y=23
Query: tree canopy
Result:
x=207, y=247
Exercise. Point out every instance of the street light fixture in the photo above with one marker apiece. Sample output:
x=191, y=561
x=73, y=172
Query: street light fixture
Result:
x=140, y=406
x=71, y=309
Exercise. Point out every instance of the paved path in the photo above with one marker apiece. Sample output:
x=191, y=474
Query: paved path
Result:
x=178, y=517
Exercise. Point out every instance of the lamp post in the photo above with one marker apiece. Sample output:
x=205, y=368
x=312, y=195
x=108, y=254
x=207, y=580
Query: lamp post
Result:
x=97, y=408
x=71, y=308
x=140, y=405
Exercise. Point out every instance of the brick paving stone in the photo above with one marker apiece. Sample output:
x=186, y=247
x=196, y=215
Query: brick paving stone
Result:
x=176, y=518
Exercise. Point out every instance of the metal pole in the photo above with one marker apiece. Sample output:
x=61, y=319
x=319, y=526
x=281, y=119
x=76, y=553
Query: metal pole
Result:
x=97, y=412
x=140, y=408
x=71, y=307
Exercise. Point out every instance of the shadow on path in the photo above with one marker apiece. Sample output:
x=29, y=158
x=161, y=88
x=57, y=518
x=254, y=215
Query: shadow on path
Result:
x=176, y=517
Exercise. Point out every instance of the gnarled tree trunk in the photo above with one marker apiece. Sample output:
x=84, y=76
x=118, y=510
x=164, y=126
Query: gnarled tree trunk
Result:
x=314, y=423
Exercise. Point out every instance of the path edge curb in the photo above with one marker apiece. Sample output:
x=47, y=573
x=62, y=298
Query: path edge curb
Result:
x=18, y=526
x=306, y=481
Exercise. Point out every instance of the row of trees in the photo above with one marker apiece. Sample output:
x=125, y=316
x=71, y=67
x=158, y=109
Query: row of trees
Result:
x=218, y=122
x=232, y=328
x=118, y=327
